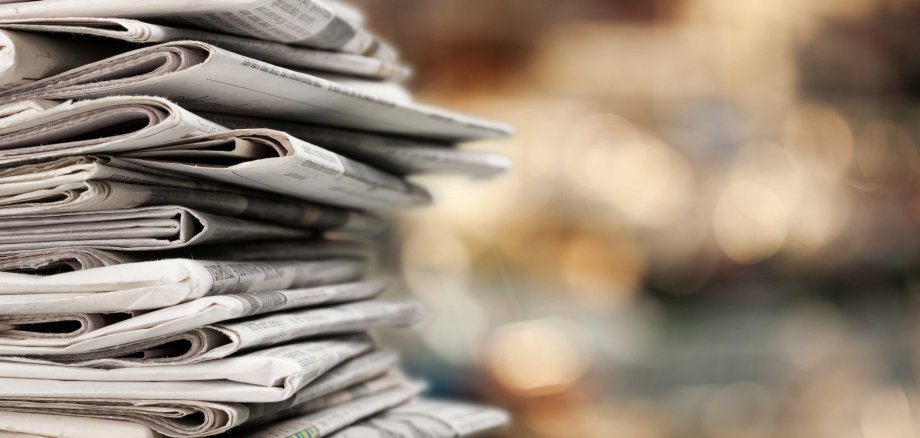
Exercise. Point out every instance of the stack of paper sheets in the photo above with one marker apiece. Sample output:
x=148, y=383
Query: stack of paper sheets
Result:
x=185, y=187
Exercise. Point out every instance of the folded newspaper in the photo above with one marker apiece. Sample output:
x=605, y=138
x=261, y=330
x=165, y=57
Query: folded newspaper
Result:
x=59, y=260
x=41, y=31
x=180, y=340
x=160, y=283
x=189, y=192
x=201, y=76
x=324, y=24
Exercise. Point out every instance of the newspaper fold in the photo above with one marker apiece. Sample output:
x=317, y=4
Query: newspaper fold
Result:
x=134, y=229
x=113, y=330
x=26, y=57
x=59, y=260
x=195, y=418
x=276, y=162
x=217, y=341
x=83, y=184
x=270, y=375
x=398, y=155
x=31, y=425
x=161, y=283
x=328, y=421
x=423, y=418
x=140, y=32
x=322, y=24
x=41, y=129
x=201, y=76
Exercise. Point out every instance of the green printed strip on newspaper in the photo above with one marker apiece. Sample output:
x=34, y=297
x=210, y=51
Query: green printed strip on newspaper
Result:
x=310, y=432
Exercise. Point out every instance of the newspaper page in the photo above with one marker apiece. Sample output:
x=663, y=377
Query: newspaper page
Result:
x=397, y=155
x=198, y=418
x=262, y=376
x=277, y=162
x=26, y=57
x=422, y=418
x=134, y=229
x=51, y=425
x=326, y=422
x=39, y=130
x=85, y=184
x=311, y=23
x=161, y=283
x=203, y=77
x=221, y=340
x=139, y=32
x=94, y=331
x=58, y=260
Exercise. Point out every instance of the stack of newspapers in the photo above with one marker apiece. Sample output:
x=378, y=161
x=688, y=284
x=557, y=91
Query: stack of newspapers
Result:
x=187, y=189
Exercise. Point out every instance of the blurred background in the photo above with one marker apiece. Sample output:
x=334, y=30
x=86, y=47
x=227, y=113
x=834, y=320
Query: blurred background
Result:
x=710, y=229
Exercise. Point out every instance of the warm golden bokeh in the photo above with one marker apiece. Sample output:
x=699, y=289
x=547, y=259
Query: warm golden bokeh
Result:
x=709, y=230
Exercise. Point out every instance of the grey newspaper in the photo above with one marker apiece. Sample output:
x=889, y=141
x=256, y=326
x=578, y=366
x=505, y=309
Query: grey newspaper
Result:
x=182, y=418
x=192, y=194
x=425, y=418
x=93, y=183
x=134, y=229
x=311, y=23
x=160, y=283
x=331, y=420
x=269, y=375
x=59, y=260
x=398, y=155
x=34, y=130
x=41, y=31
x=168, y=343
x=201, y=76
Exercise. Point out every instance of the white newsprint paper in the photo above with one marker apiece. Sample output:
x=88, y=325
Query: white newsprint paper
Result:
x=79, y=333
x=140, y=32
x=277, y=162
x=312, y=23
x=82, y=184
x=59, y=260
x=398, y=155
x=203, y=77
x=32, y=425
x=134, y=229
x=41, y=129
x=263, y=376
x=136, y=348
x=423, y=418
x=160, y=283
x=180, y=418
x=328, y=421
x=26, y=57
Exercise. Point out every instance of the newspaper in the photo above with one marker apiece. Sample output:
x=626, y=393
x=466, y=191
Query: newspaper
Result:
x=203, y=77
x=41, y=129
x=134, y=229
x=423, y=418
x=310, y=23
x=217, y=341
x=396, y=155
x=93, y=331
x=263, y=376
x=30, y=425
x=328, y=421
x=198, y=418
x=58, y=260
x=389, y=381
x=277, y=162
x=25, y=57
x=82, y=184
x=161, y=283
x=140, y=32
